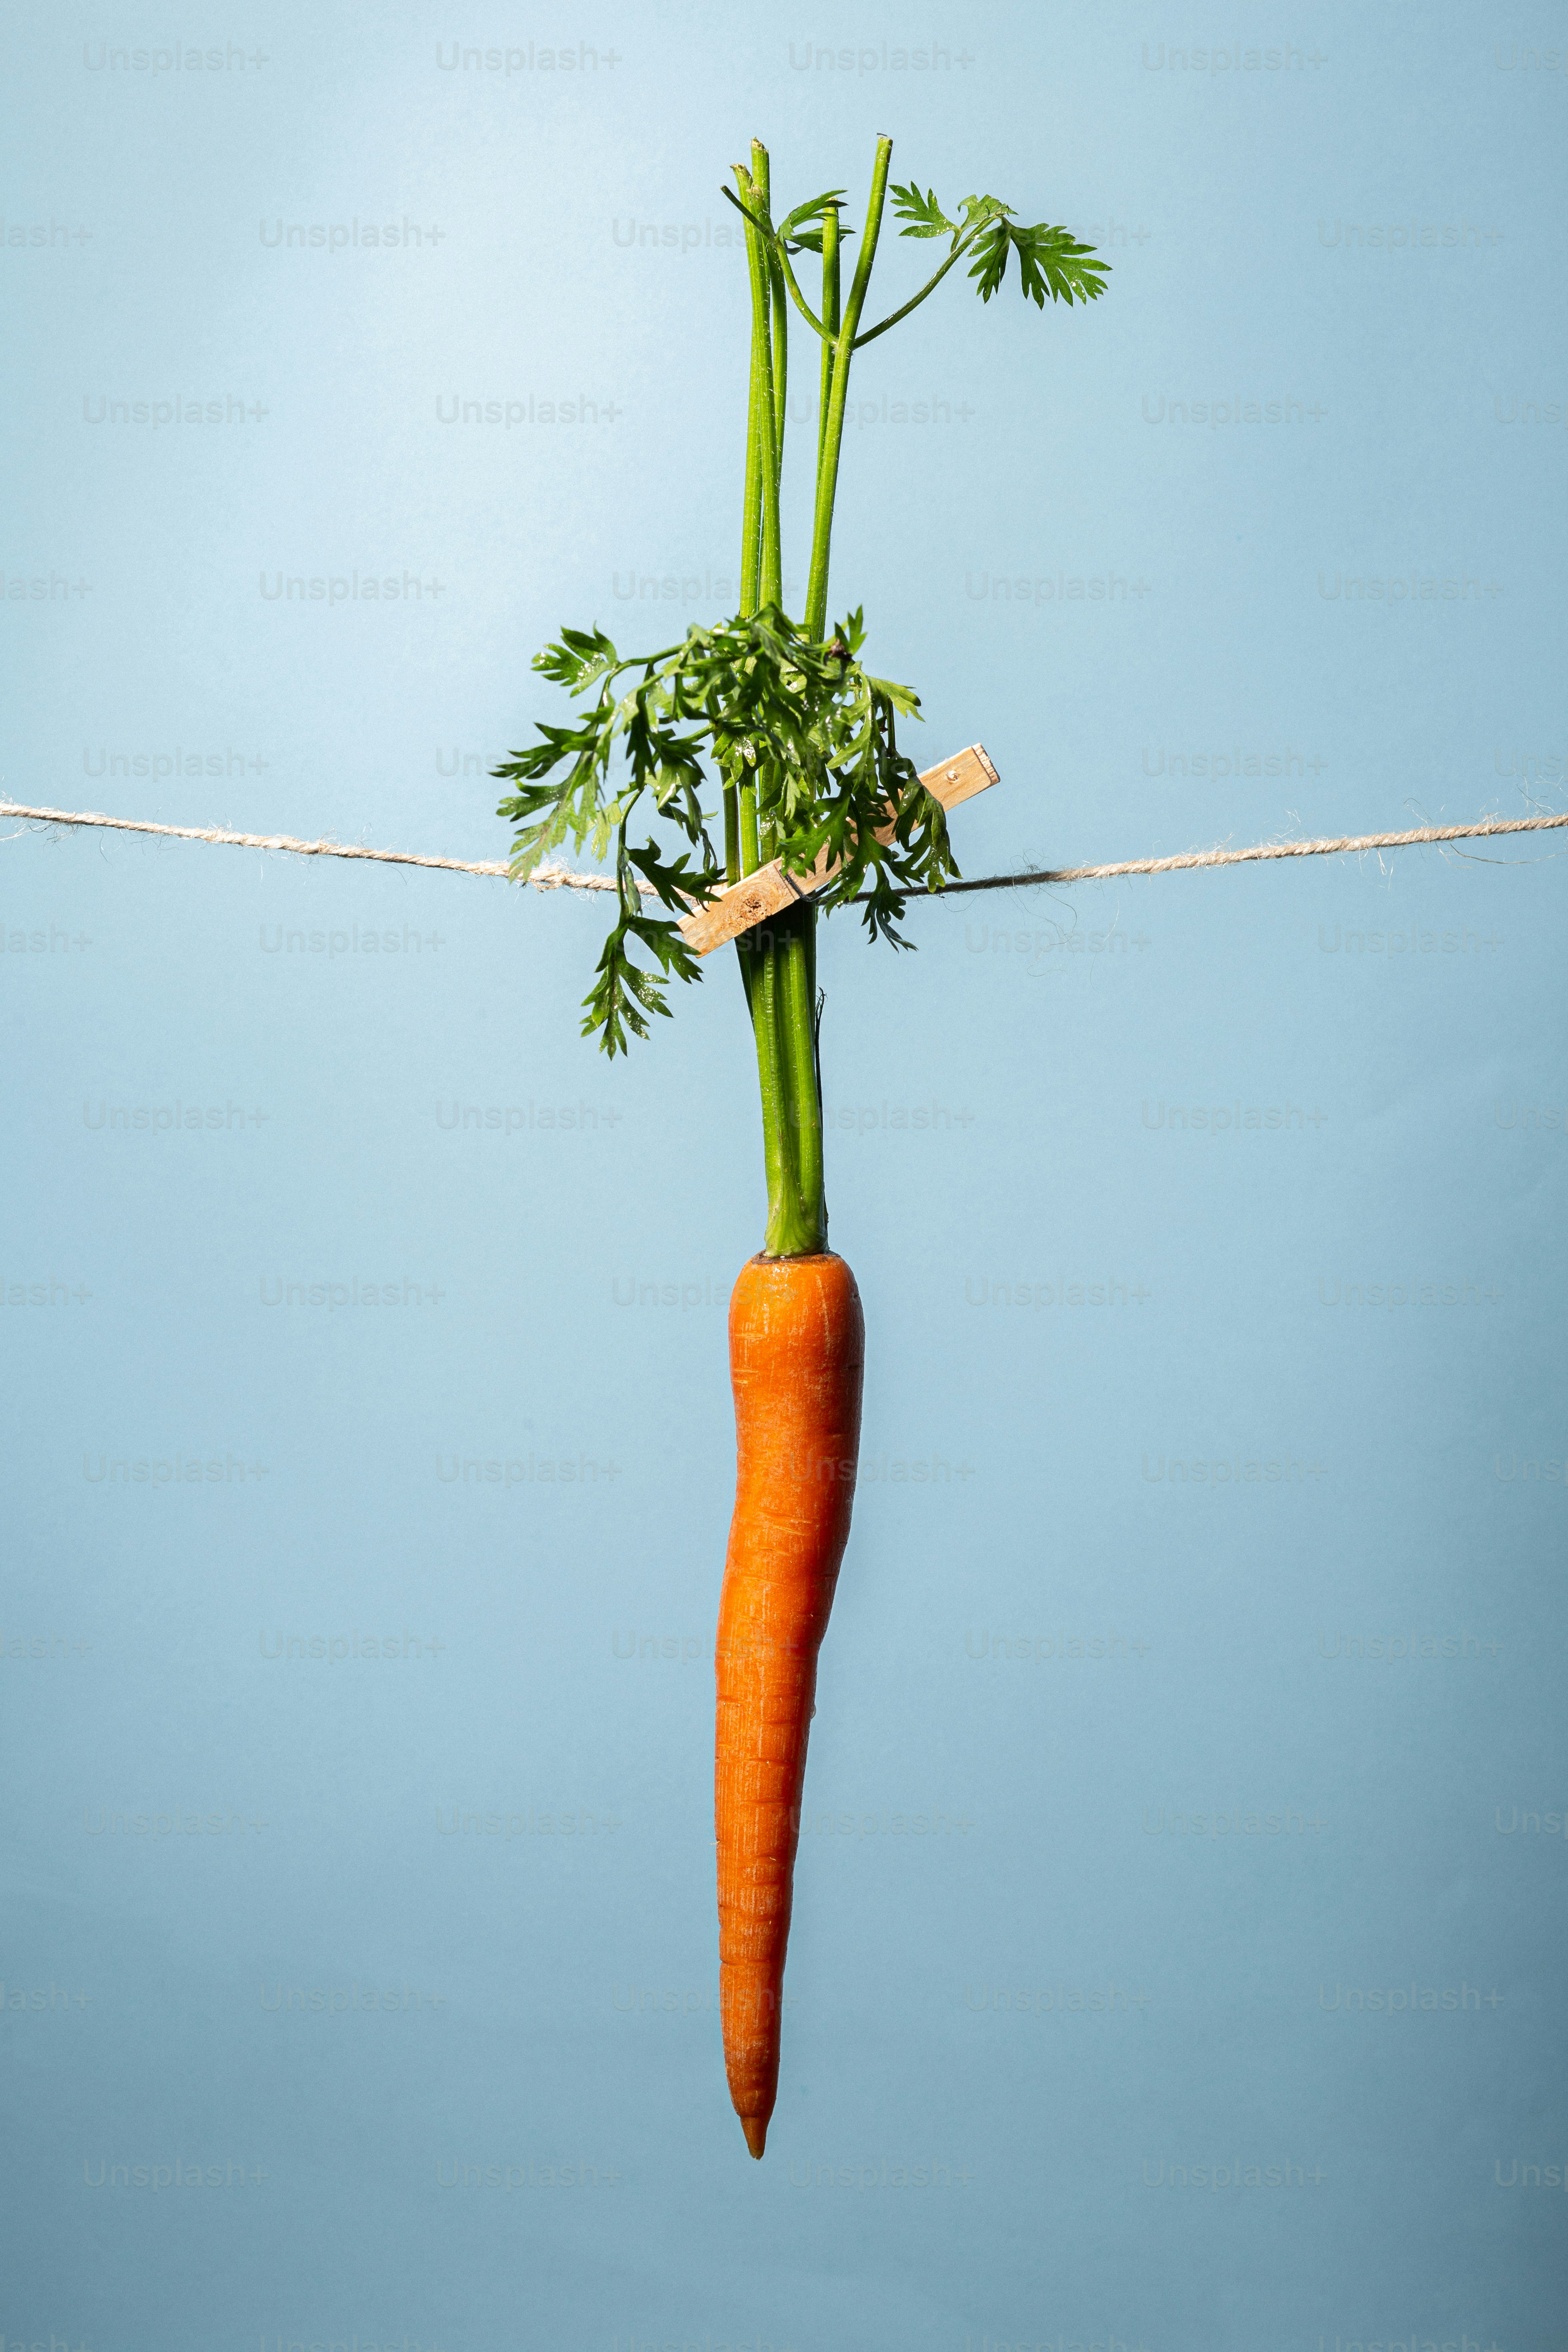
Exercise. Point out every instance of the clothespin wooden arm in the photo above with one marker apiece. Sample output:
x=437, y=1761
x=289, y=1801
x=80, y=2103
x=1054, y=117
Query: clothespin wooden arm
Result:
x=771, y=889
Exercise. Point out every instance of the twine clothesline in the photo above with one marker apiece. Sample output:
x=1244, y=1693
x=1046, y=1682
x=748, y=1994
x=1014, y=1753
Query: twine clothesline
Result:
x=551, y=875
x=1483, y=830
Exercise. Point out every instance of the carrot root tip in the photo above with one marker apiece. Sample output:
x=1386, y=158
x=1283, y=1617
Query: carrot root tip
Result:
x=757, y=2131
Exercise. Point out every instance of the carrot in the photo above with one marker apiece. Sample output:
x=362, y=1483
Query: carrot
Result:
x=797, y=1351
x=803, y=741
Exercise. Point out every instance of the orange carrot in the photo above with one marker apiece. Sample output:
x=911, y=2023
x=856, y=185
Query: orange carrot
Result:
x=821, y=809
x=797, y=1350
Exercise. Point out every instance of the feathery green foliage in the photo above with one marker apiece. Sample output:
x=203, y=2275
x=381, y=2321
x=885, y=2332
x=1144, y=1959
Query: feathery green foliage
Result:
x=1050, y=260
x=814, y=734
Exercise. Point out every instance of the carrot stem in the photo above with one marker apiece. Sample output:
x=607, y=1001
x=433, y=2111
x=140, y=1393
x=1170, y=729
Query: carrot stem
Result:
x=778, y=965
x=778, y=962
x=797, y=955
x=765, y=412
x=830, y=321
x=838, y=392
x=751, y=510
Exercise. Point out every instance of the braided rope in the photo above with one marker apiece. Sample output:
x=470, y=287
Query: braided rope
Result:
x=551, y=875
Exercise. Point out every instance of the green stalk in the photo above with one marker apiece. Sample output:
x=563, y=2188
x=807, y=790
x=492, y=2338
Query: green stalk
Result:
x=779, y=358
x=830, y=321
x=742, y=830
x=781, y=361
x=732, y=831
x=751, y=510
x=778, y=961
x=833, y=437
x=797, y=1209
x=756, y=189
x=797, y=954
x=764, y=458
x=761, y=971
x=751, y=847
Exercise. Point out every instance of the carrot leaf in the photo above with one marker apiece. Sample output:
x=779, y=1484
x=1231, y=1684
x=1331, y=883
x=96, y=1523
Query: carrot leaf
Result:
x=754, y=700
x=1050, y=261
x=921, y=215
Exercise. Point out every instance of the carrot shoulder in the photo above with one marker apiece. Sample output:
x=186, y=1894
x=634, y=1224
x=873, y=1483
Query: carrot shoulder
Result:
x=798, y=1348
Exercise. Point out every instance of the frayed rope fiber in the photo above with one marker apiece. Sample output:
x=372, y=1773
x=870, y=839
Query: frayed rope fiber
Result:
x=553, y=877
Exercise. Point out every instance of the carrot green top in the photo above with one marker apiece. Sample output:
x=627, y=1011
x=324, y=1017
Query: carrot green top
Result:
x=803, y=738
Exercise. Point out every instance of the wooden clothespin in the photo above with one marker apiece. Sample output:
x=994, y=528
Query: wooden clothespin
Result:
x=770, y=889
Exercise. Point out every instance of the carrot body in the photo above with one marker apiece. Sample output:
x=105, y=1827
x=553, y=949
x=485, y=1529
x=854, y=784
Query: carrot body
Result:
x=797, y=1351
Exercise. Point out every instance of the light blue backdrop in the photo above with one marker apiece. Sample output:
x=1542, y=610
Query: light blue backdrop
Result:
x=1203, y=1617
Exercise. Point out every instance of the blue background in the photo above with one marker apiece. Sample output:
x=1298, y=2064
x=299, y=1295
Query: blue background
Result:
x=1132, y=1935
